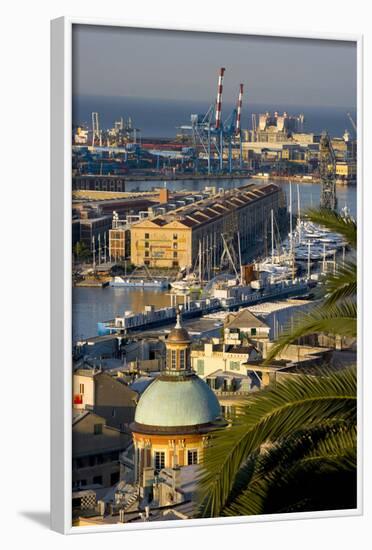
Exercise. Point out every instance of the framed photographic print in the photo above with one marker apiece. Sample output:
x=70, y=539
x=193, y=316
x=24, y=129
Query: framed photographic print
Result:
x=206, y=298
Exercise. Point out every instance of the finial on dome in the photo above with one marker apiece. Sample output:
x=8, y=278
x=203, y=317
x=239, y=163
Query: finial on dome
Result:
x=178, y=334
x=178, y=314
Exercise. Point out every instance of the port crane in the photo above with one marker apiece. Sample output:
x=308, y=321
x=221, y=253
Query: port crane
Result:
x=96, y=131
x=352, y=122
x=211, y=136
x=327, y=169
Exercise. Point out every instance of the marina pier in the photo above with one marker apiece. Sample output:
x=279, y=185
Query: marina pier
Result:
x=239, y=297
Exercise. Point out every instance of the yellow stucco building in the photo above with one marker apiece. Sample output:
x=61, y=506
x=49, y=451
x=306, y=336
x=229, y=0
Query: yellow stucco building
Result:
x=174, y=415
x=157, y=243
x=173, y=240
x=346, y=170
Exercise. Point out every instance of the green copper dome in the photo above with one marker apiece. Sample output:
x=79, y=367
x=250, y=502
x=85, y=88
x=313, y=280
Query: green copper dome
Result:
x=180, y=402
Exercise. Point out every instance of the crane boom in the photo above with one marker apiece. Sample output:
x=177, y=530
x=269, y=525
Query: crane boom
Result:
x=352, y=122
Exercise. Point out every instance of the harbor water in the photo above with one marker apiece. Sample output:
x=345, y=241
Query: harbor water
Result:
x=91, y=305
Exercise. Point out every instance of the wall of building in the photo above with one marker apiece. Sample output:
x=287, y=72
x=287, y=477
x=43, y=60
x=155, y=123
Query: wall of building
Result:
x=83, y=391
x=98, y=183
x=163, y=247
x=95, y=456
x=175, y=448
x=106, y=396
x=208, y=361
x=97, y=228
x=119, y=244
x=176, y=243
x=114, y=401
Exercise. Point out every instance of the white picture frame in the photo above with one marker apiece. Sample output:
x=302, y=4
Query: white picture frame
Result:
x=61, y=296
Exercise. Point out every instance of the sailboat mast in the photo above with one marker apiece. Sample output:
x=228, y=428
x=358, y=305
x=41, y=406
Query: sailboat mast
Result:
x=94, y=253
x=291, y=229
x=200, y=261
x=290, y=219
x=240, y=259
x=324, y=257
x=272, y=236
x=299, y=213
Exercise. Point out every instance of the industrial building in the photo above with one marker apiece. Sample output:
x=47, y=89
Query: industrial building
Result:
x=274, y=127
x=346, y=171
x=94, y=182
x=176, y=238
x=94, y=219
x=119, y=235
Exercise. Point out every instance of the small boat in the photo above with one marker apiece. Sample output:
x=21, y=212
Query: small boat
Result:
x=185, y=286
x=188, y=284
x=191, y=282
x=139, y=283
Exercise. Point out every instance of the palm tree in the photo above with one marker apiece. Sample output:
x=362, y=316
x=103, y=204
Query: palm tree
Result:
x=293, y=447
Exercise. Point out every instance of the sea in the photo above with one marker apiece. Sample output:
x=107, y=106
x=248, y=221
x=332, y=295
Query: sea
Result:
x=91, y=305
x=162, y=117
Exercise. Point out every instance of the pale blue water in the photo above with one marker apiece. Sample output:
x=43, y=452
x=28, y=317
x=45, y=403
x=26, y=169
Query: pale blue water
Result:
x=160, y=118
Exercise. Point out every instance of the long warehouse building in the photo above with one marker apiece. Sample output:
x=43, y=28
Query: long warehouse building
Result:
x=174, y=239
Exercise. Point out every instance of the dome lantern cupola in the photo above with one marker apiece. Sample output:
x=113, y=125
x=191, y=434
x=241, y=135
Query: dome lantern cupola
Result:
x=178, y=349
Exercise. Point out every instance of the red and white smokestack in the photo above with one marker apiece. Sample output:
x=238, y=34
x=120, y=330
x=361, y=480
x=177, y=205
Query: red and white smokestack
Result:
x=239, y=110
x=219, y=98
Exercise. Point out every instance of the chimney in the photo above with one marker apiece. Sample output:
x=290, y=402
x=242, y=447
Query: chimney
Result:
x=163, y=196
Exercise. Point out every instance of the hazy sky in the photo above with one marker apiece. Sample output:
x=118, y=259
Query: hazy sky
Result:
x=116, y=61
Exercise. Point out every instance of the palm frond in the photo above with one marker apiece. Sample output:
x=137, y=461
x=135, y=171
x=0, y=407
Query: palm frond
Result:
x=326, y=450
x=302, y=401
x=341, y=285
x=336, y=223
x=334, y=318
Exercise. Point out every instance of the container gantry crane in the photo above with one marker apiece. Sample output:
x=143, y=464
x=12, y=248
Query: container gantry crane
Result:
x=211, y=136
